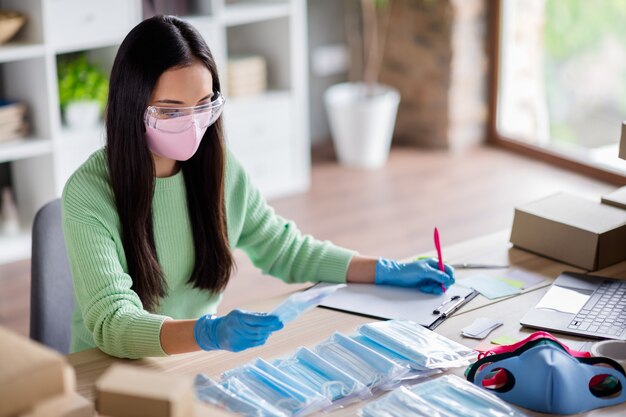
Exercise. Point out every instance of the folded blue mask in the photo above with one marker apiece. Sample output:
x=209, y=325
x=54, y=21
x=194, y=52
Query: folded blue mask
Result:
x=415, y=371
x=234, y=397
x=422, y=347
x=547, y=379
x=277, y=392
x=446, y=396
x=363, y=364
x=315, y=400
x=319, y=375
x=301, y=302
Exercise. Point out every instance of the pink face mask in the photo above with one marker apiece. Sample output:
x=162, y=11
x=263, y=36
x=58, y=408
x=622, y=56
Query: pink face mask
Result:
x=176, y=133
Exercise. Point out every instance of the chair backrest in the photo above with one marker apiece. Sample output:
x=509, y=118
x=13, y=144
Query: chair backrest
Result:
x=51, y=294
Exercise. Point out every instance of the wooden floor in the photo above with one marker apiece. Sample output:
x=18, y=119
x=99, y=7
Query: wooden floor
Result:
x=389, y=212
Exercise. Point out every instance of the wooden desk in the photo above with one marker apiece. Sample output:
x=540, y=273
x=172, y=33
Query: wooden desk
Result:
x=317, y=325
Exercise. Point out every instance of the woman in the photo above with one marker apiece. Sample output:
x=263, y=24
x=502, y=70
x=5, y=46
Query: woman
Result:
x=150, y=220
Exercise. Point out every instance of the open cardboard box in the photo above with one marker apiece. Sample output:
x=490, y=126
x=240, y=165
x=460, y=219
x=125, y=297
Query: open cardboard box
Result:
x=573, y=230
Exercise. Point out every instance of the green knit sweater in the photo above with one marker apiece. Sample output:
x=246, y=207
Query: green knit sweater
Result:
x=108, y=312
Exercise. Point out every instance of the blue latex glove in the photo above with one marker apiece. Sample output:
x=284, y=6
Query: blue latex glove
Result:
x=236, y=331
x=422, y=274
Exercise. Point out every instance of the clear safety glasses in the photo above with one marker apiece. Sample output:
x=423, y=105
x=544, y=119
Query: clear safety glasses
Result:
x=179, y=119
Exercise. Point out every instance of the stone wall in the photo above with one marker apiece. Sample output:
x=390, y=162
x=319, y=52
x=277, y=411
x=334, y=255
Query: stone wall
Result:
x=436, y=57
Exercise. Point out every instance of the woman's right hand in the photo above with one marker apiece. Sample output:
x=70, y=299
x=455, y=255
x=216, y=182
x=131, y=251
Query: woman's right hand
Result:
x=236, y=331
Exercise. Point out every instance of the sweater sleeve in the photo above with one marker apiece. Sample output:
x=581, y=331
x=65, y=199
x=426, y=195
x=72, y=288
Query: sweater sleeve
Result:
x=277, y=247
x=111, y=310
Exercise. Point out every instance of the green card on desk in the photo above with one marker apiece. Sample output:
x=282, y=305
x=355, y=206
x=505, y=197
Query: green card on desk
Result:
x=489, y=286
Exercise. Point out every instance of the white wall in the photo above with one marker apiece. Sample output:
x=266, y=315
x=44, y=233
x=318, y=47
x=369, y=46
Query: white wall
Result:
x=326, y=27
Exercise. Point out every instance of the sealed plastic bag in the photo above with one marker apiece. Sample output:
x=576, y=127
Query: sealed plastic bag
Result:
x=318, y=374
x=362, y=363
x=415, y=371
x=234, y=397
x=446, y=396
x=315, y=399
x=279, y=393
x=421, y=346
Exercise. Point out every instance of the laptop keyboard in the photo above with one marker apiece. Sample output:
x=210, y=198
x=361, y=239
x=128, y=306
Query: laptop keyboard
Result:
x=605, y=312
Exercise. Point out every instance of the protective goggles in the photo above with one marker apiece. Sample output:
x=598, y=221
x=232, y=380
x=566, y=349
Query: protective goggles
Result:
x=179, y=119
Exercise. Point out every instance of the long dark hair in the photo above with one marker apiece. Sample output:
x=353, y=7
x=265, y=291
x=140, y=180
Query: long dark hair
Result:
x=152, y=47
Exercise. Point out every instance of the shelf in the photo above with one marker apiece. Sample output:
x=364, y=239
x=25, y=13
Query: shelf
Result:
x=24, y=148
x=242, y=13
x=15, y=248
x=15, y=51
x=83, y=46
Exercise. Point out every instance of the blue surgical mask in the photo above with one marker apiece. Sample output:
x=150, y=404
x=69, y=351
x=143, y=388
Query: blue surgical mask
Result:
x=315, y=400
x=234, y=397
x=301, y=302
x=321, y=376
x=547, y=379
x=446, y=396
x=415, y=371
x=363, y=364
x=275, y=391
x=423, y=347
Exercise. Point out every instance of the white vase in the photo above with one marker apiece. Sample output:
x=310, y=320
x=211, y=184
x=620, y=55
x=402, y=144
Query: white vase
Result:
x=362, y=124
x=82, y=114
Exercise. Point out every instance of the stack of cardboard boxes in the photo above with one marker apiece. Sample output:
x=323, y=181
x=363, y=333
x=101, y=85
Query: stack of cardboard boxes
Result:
x=36, y=381
x=575, y=230
x=132, y=391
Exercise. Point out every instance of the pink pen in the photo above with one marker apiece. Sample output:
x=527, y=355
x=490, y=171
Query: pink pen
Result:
x=438, y=247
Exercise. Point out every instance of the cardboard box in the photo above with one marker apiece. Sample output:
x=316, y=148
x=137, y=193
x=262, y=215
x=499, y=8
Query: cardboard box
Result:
x=573, y=230
x=128, y=391
x=622, y=142
x=30, y=373
x=616, y=198
x=67, y=405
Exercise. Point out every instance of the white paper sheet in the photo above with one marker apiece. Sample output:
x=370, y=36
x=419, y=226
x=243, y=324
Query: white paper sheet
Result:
x=390, y=302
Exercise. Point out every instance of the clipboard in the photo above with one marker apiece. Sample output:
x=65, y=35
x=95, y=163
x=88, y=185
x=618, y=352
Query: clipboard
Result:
x=388, y=302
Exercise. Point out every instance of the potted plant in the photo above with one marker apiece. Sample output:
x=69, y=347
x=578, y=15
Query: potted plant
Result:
x=83, y=90
x=362, y=113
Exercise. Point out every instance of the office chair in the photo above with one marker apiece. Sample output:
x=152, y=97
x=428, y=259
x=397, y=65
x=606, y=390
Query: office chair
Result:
x=51, y=291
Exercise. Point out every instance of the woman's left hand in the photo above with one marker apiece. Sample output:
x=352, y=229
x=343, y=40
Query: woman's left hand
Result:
x=422, y=274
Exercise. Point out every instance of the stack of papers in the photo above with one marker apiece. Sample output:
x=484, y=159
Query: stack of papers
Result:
x=481, y=328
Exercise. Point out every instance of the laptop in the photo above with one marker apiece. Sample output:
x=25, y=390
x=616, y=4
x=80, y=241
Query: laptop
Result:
x=582, y=305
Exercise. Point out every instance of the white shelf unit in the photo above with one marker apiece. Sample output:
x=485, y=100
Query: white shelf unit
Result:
x=42, y=162
x=269, y=132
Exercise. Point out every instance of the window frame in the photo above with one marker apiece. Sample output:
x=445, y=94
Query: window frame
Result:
x=496, y=139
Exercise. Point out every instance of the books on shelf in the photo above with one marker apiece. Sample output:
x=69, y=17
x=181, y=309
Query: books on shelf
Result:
x=12, y=120
x=247, y=75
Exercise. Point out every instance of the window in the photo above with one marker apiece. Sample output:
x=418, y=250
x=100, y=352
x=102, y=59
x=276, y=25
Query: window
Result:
x=561, y=82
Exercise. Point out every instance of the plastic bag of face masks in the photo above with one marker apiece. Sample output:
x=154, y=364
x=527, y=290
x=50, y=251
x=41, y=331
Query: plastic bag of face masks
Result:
x=421, y=346
x=301, y=302
x=234, y=397
x=415, y=371
x=321, y=376
x=275, y=391
x=360, y=362
x=446, y=396
x=316, y=400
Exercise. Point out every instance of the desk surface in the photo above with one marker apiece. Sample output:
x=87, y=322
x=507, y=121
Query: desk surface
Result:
x=315, y=326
